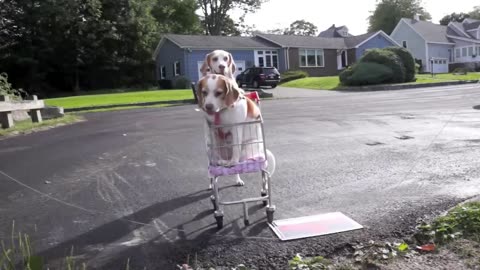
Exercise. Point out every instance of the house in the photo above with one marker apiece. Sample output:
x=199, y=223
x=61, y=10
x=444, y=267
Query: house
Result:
x=179, y=56
x=182, y=55
x=326, y=56
x=440, y=48
x=335, y=32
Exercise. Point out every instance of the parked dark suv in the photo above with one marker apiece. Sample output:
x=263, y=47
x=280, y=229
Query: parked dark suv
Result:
x=257, y=77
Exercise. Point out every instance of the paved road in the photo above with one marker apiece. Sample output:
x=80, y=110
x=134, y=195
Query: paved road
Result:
x=132, y=184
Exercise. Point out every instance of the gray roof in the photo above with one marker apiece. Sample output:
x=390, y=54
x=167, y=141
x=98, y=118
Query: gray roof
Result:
x=353, y=41
x=305, y=41
x=429, y=31
x=473, y=25
x=217, y=42
x=332, y=32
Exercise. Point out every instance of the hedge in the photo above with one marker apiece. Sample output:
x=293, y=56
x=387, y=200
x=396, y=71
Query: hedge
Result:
x=366, y=73
x=407, y=60
x=291, y=75
x=389, y=59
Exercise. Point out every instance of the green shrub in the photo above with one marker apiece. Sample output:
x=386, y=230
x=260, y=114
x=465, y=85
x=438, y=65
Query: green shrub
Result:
x=365, y=73
x=291, y=75
x=346, y=74
x=462, y=71
x=181, y=83
x=407, y=60
x=6, y=88
x=389, y=59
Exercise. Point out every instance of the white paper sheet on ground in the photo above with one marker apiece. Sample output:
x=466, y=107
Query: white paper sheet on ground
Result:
x=310, y=226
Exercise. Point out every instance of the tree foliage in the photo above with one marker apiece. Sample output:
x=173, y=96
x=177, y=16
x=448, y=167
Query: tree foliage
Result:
x=454, y=17
x=388, y=13
x=475, y=13
x=65, y=45
x=302, y=28
x=216, y=20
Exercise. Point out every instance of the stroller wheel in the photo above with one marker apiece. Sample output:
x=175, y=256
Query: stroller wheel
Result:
x=246, y=222
x=219, y=222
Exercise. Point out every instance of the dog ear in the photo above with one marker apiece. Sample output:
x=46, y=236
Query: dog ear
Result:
x=232, y=66
x=231, y=92
x=200, y=93
x=206, y=65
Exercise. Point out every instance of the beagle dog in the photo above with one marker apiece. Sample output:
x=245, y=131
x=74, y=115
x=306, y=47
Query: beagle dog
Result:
x=224, y=103
x=220, y=62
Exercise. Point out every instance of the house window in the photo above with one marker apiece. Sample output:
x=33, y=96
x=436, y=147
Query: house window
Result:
x=266, y=59
x=163, y=72
x=176, y=68
x=464, y=52
x=404, y=44
x=311, y=58
x=458, y=53
x=470, y=51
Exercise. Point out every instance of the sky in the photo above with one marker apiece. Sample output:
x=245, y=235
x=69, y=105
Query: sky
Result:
x=352, y=13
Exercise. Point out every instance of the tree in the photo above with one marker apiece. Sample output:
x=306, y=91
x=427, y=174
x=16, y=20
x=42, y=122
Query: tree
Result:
x=475, y=14
x=302, y=28
x=388, y=13
x=215, y=18
x=454, y=17
x=177, y=16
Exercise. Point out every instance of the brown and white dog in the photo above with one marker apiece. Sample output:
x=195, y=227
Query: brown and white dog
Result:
x=224, y=103
x=220, y=62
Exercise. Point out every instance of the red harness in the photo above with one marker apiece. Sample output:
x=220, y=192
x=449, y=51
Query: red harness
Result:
x=216, y=121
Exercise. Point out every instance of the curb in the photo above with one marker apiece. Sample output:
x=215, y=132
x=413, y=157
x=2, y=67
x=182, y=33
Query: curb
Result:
x=400, y=87
x=185, y=101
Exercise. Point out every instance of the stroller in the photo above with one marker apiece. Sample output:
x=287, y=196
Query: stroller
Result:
x=255, y=161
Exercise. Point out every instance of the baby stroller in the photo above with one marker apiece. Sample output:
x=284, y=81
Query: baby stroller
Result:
x=254, y=160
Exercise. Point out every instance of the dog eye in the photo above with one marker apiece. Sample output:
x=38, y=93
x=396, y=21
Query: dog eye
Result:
x=217, y=94
x=215, y=59
x=225, y=58
x=204, y=93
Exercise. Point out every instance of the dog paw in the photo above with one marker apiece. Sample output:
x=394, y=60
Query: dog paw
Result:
x=240, y=182
x=227, y=163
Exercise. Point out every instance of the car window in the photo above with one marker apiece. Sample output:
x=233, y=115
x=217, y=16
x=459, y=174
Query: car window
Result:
x=247, y=71
x=268, y=71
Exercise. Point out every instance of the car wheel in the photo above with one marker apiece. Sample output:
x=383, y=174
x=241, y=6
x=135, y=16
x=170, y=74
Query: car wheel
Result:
x=255, y=84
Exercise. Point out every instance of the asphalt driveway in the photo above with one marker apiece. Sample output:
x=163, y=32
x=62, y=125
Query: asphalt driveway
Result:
x=131, y=184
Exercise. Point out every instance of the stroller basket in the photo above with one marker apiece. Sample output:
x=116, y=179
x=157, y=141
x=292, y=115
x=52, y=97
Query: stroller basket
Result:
x=236, y=148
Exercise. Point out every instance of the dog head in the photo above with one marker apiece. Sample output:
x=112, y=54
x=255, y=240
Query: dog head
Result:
x=219, y=62
x=215, y=93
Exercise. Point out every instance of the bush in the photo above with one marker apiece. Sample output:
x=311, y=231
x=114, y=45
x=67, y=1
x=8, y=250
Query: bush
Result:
x=346, y=74
x=182, y=83
x=365, y=73
x=407, y=60
x=6, y=88
x=419, y=64
x=389, y=59
x=291, y=75
x=462, y=71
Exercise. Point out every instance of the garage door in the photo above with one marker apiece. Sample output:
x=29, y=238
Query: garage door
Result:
x=240, y=67
x=440, y=66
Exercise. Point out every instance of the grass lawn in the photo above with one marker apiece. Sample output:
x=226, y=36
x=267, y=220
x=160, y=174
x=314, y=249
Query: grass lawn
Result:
x=27, y=125
x=120, y=98
x=323, y=83
x=332, y=82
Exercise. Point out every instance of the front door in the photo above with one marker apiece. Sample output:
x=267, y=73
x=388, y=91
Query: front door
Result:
x=342, y=60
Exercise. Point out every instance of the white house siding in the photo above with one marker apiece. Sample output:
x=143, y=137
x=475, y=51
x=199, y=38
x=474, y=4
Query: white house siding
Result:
x=415, y=43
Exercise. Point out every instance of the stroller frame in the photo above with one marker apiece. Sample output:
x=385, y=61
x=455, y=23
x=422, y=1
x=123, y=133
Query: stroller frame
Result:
x=251, y=166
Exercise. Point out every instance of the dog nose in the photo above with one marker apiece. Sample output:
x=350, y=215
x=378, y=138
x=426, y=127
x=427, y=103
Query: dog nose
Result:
x=209, y=107
x=221, y=66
